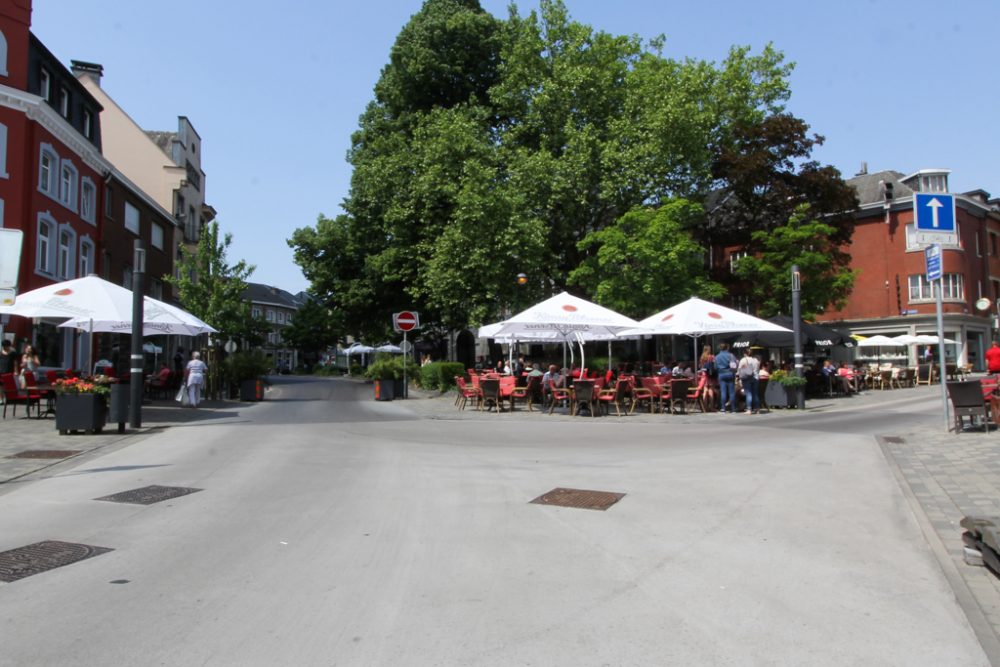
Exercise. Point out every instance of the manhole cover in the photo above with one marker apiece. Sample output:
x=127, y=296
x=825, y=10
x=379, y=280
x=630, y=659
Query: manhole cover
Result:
x=148, y=495
x=893, y=440
x=45, y=454
x=42, y=556
x=583, y=499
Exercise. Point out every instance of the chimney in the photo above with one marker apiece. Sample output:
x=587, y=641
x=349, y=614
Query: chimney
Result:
x=864, y=169
x=93, y=70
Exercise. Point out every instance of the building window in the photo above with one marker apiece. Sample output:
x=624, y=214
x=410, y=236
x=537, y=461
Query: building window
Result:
x=68, y=184
x=270, y=315
x=156, y=236
x=86, y=257
x=44, y=85
x=88, y=199
x=3, y=55
x=288, y=318
x=88, y=124
x=108, y=202
x=156, y=289
x=281, y=317
x=911, y=237
x=952, y=286
x=256, y=312
x=65, y=262
x=3, y=151
x=127, y=276
x=993, y=244
x=64, y=102
x=734, y=259
x=44, y=246
x=47, y=165
x=996, y=288
x=131, y=218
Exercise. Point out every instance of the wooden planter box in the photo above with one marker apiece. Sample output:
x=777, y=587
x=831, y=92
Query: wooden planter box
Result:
x=79, y=412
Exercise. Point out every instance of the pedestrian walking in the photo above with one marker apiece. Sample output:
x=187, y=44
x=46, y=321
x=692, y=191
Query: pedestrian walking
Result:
x=194, y=378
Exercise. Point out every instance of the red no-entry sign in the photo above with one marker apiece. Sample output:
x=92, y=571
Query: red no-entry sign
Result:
x=405, y=321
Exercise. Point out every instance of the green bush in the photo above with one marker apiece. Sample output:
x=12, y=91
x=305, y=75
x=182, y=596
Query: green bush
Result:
x=250, y=365
x=390, y=366
x=786, y=379
x=440, y=375
x=328, y=369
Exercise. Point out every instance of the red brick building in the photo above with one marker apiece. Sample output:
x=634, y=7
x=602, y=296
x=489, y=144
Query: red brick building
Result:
x=892, y=296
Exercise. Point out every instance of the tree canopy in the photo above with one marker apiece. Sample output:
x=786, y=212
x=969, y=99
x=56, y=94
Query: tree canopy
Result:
x=212, y=289
x=528, y=145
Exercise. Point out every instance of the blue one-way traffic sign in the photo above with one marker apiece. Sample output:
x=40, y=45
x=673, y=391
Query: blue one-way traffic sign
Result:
x=934, y=212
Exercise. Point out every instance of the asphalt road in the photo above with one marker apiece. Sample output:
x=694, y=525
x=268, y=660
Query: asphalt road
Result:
x=334, y=530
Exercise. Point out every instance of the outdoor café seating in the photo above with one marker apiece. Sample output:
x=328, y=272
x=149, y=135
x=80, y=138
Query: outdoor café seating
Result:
x=558, y=395
x=13, y=395
x=968, y=400
x=616, y=396
x=585, y=395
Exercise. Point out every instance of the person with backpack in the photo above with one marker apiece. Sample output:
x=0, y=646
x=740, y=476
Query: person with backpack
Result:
x=725, y=367
x=747, y=370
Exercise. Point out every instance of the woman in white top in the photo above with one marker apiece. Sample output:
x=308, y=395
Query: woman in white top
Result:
x=194, y=378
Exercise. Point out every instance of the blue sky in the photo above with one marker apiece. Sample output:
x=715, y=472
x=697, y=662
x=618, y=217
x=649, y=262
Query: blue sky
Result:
x=275, y=96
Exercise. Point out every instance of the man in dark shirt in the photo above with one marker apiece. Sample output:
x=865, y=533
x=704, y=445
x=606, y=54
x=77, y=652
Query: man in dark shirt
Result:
x=179, y=362
x=8, y=360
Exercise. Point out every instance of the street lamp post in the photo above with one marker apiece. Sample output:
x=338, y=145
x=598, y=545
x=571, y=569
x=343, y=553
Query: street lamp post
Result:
x=800, y=396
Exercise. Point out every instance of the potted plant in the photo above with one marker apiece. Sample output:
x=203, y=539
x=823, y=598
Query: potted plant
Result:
x=783, y=389
x=246, y=371
x=80, y=403
x=387, y=372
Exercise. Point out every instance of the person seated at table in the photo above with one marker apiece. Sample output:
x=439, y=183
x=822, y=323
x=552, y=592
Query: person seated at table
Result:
x=848, y=377
x=162, y=378
x=575, y=373
x=682, y=370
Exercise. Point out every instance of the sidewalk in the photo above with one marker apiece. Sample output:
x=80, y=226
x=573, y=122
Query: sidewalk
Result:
x=19, y=435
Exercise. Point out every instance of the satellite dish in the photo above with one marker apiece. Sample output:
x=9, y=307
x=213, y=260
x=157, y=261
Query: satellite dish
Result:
x=983, y=304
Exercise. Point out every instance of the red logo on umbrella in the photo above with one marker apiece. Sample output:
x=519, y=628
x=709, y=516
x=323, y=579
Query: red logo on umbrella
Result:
x=64, y=292
x=714, y=315
x=569, y=308
x=667, y=317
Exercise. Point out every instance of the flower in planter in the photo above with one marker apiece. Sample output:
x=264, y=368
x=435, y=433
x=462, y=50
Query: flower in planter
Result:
x=99, y=384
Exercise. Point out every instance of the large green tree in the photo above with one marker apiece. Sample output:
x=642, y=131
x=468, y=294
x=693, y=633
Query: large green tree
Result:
x=646, y=261
x=212, y=289
x=494, y=148
x=811, y=244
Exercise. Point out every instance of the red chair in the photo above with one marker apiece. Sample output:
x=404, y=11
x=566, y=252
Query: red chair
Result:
x=557, y=394
x=696, y=394
x=13, y=395
x=616, y=396
x=526, y=393
x=650, y=391
x=466, y=392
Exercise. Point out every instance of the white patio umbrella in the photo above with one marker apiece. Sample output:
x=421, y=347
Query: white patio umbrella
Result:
x=880, y=341
x=567, y=318
x=94, y=305
x=390, y=348
x=357, y=348
x=697, y=317
x=928, y=339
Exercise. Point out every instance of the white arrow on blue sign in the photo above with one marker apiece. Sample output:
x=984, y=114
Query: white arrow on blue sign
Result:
x=934, y=212
x=932, y=254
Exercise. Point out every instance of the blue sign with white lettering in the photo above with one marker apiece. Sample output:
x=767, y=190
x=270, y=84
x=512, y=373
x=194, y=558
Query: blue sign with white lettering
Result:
x=934, y=212
x=933, y=256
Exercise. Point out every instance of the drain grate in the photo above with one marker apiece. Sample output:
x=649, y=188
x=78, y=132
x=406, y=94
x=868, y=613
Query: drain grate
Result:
x=893, y=439
x=580, y=498
x=43, y=556
x=45, y=454
x=148, y=495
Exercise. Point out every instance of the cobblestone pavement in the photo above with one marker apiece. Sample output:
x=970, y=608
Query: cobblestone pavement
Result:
x=944, y=476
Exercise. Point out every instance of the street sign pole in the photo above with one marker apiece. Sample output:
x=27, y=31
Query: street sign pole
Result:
x=941, y=361
x=405, y=383
x=932, y=256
